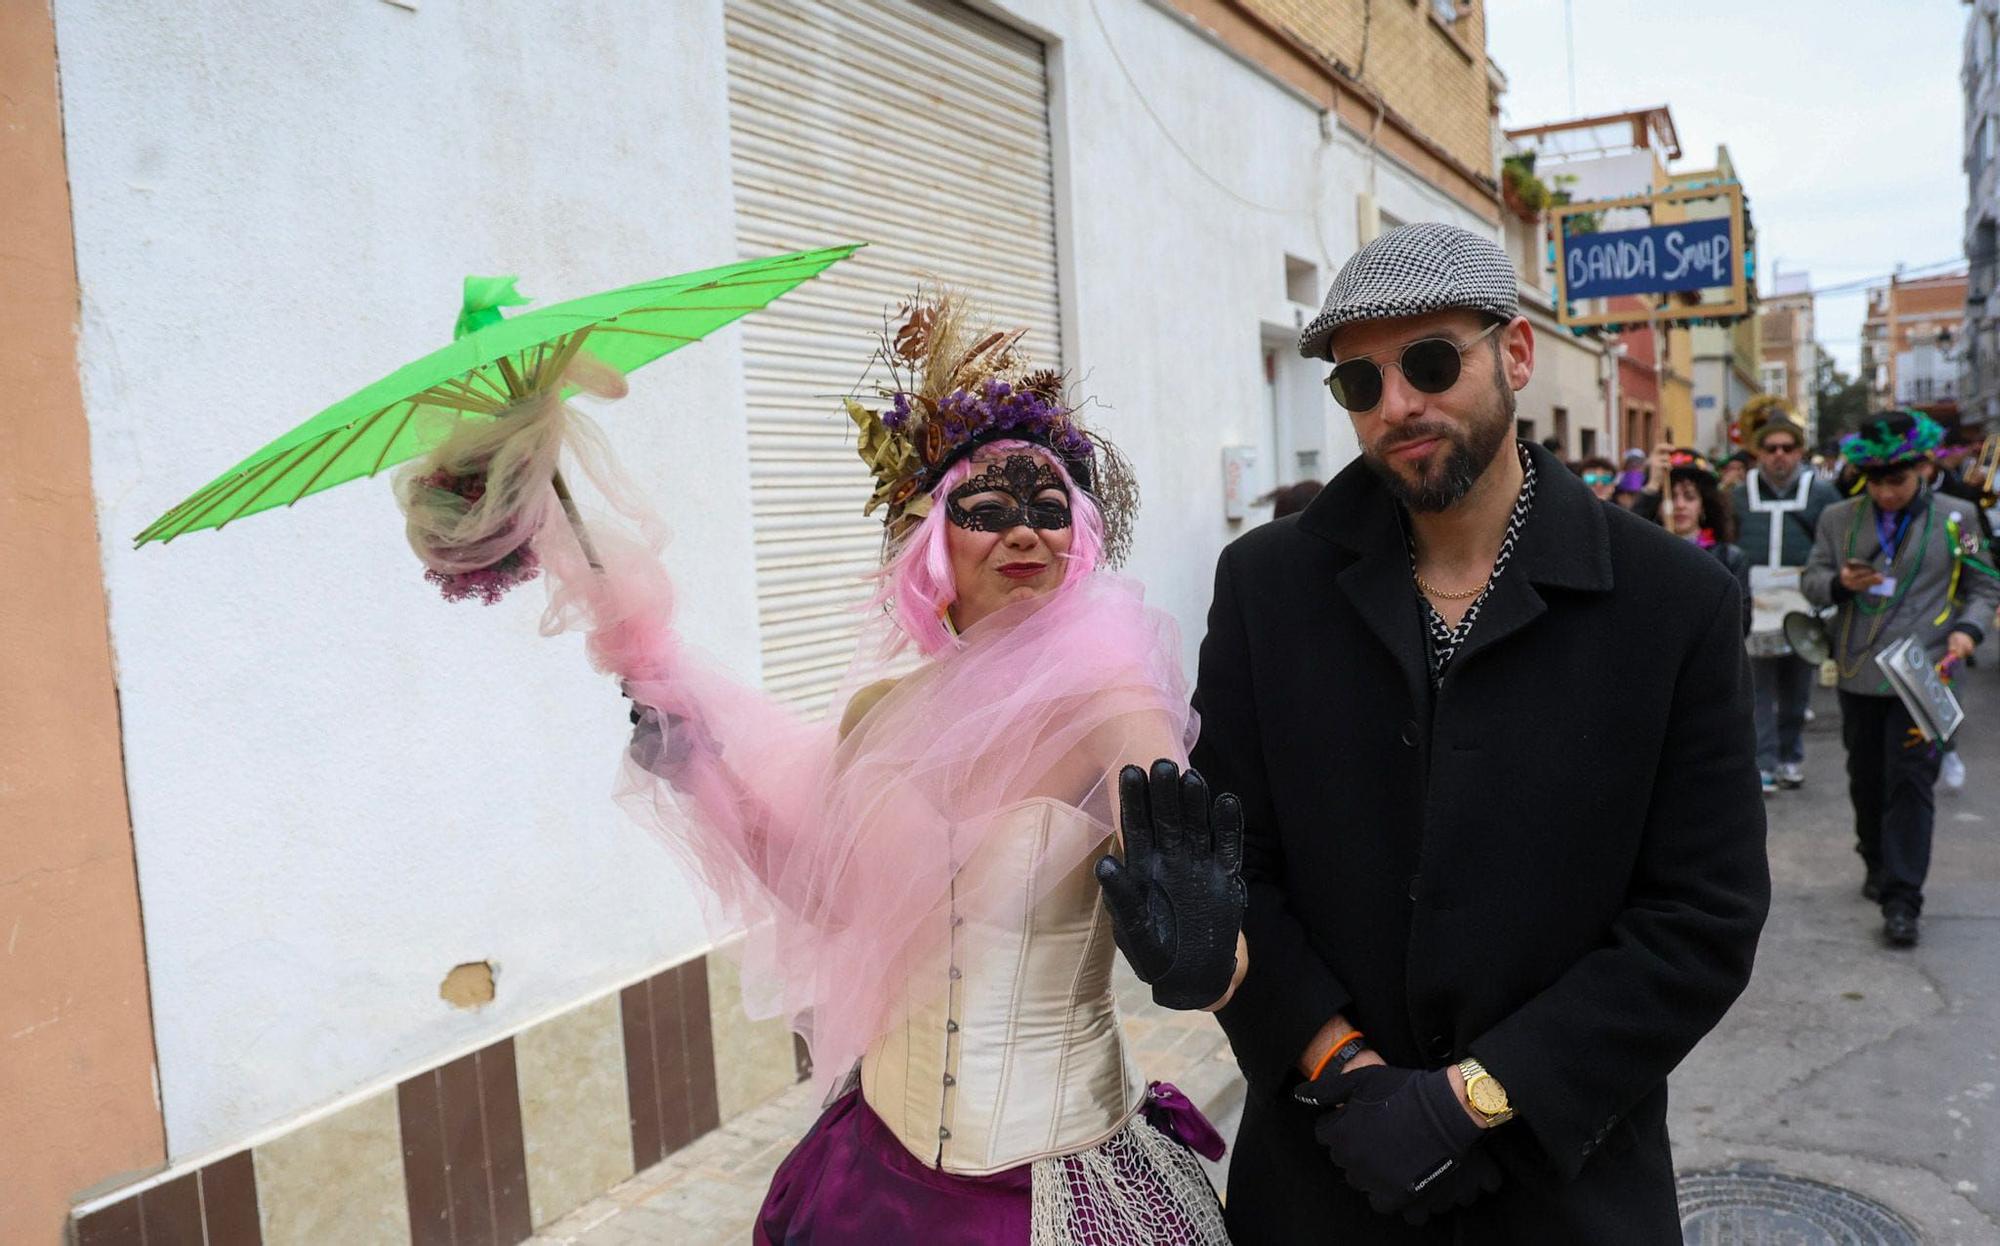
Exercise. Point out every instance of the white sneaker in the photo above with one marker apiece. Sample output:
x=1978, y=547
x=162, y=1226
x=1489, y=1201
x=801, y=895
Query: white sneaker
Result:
x=1953, y=772
x=1791, y=775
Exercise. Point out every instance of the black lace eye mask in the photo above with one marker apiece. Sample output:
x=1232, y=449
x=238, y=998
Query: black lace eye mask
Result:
x=1020, y=481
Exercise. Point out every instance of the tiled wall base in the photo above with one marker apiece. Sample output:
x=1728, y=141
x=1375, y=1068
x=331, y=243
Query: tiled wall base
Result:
x=479, y=1151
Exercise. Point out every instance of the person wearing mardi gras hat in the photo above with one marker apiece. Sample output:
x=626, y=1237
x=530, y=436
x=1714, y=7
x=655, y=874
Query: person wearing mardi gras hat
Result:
x=1695, y=509
x=1898, y=562
x=935, y=876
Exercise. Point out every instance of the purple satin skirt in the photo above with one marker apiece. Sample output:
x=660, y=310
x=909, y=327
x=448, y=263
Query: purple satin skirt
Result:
x=849, y=1182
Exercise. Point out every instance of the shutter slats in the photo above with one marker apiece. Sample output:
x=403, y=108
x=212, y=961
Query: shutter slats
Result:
x=921, y=128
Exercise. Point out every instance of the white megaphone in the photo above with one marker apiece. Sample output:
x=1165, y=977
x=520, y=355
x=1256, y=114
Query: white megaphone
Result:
x=1807, y=634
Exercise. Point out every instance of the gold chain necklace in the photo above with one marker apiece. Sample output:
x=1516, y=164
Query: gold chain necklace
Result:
x=1431, y=590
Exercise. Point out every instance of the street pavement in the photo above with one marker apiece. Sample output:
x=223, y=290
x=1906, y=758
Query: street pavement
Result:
x=1846, y=1061
x=1850, y=1062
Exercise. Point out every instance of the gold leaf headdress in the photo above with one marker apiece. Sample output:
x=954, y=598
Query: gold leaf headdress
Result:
x=954, y=386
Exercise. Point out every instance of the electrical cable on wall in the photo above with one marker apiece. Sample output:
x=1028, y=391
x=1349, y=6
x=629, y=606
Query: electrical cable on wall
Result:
x=1186, y=155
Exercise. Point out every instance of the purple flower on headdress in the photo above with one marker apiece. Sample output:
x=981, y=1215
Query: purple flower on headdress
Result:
x=898, y=413
x=1071, y=442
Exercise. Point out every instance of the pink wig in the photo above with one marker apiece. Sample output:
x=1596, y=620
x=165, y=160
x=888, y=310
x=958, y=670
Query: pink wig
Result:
x=917, y=586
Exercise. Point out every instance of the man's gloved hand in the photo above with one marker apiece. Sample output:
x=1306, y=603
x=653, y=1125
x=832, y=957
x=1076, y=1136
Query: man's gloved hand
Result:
x=1402, y=1138
x=1177, y=898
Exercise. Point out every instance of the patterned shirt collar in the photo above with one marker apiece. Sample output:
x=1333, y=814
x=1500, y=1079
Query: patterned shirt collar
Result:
x=1443, y=641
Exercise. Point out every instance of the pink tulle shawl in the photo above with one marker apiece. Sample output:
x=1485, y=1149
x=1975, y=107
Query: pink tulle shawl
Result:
x=837, y=851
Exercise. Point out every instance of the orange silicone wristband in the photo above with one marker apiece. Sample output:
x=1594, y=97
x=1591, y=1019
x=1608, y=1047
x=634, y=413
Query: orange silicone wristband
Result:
x=1340, y=1040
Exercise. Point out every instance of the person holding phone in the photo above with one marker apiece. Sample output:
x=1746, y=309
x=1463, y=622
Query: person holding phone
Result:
x=1890, y=560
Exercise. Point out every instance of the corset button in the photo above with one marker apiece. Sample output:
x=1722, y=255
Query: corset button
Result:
x=944, y=1135
x=956, y=921
x=955, y=974
x=951, y=1027
x=949, y=1080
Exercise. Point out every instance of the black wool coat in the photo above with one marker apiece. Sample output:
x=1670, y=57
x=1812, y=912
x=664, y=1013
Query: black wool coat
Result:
x=1555, y=863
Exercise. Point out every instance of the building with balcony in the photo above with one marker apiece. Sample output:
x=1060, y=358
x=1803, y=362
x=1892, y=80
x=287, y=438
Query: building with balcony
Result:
x=1911, y=344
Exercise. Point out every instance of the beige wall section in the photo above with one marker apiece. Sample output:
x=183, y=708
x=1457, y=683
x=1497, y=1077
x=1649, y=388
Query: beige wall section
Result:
x=337, y=1179
x=576, y=1126
x=754, y=1060
x=76, y=1038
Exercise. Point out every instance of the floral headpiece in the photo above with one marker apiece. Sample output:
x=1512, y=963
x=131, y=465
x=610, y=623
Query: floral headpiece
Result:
x=1886, y=440
x=954, y=387
x=1690, y=464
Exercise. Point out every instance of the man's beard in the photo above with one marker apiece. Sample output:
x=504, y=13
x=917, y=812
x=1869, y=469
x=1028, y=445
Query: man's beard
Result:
x=1440, y=486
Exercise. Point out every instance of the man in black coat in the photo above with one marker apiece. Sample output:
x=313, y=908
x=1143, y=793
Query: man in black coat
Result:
x=1504, y=843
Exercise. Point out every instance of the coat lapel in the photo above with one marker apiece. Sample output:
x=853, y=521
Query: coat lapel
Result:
x=1356, y=513
x=1565, y=543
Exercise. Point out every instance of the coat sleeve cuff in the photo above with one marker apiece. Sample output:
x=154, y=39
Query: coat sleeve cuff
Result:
x=1538, y=1100
x=1283, y=1001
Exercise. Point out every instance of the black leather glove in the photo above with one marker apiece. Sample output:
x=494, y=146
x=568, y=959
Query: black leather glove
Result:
x=1401, y=1137
x=1177, y=899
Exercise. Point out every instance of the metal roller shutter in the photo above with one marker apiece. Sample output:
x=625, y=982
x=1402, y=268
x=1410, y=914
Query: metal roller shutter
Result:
x=921, y=129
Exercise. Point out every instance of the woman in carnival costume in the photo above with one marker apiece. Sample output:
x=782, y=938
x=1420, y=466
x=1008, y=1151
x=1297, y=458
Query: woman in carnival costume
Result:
x=1696, y=510
x=919, y=873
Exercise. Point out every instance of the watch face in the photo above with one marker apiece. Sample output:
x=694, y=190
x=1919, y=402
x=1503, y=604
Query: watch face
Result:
x=1487, y=1097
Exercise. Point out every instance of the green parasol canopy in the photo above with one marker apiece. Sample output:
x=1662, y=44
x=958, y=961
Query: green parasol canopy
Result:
x=494, y=361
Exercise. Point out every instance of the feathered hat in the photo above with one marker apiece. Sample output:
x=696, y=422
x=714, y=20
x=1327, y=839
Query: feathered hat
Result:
x=1892, y=438
x=954, y=385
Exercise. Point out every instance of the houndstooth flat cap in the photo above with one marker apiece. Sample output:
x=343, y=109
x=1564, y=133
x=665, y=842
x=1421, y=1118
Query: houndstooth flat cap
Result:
x=1413, y=270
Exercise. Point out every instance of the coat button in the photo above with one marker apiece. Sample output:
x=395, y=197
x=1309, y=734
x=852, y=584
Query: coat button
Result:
x=955, y=974
x=944, y=1135
x=1440, y=1046
x=1410, y=734
x=1416, y=885
x=949, y=1080
x=951, y=1027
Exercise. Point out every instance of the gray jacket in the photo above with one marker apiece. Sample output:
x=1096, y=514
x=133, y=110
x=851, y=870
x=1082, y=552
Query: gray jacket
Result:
x=1923, y=574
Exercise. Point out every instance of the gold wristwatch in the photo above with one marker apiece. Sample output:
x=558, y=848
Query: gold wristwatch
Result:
x=1484, y=1092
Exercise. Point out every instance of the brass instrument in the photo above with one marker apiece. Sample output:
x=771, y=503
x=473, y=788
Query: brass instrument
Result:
x=1987, y=464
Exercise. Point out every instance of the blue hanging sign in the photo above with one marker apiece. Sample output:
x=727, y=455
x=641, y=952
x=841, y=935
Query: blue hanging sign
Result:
x=1662, y=259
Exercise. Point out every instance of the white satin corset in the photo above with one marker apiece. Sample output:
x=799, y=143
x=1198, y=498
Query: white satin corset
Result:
x=1007, y=1046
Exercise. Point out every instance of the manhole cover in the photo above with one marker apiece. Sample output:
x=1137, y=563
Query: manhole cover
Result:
x=1739, y=1207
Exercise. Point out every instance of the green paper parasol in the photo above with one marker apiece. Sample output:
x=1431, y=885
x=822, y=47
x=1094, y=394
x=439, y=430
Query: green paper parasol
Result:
x=494, y=362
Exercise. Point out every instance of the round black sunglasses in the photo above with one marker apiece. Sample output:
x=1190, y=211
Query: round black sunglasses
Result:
x=1431, y=366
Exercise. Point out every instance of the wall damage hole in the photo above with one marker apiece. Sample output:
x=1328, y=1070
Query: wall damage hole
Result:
x=468, y=986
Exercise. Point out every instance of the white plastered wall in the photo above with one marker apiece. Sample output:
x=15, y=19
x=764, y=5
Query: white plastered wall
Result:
x=341, y=785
